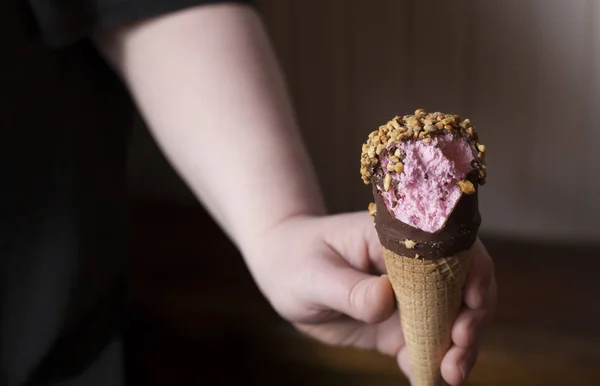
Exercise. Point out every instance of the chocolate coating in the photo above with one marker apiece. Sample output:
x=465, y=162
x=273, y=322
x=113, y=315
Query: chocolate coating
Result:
x=457, y=235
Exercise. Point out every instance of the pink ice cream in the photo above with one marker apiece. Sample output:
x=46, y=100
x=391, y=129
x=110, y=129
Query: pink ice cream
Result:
x=427, y=189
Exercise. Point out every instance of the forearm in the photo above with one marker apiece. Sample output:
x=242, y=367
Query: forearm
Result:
x=210, y=90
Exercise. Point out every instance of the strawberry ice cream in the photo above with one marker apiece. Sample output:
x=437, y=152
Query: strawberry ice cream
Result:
x=424, y=194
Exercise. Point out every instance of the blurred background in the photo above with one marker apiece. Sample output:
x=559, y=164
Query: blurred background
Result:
x=527, y=73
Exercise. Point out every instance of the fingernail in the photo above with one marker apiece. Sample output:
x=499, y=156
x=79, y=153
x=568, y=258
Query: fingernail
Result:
x=464, y=367
x=463, y=371
x=467, y=364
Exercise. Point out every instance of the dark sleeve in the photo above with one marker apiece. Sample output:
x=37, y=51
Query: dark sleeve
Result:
x=62, y=22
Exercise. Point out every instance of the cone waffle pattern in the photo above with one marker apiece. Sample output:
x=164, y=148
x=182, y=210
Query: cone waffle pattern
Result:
x=429, y=296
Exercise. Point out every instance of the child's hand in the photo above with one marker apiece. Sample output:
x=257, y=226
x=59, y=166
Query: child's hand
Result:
x=323, y=274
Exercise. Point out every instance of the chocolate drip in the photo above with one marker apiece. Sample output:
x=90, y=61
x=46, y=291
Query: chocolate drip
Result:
x=458, y=234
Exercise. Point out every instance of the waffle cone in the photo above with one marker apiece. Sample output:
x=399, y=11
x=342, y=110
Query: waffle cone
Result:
x=429, y=296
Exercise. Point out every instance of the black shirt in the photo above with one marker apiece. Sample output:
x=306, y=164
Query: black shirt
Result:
x=64, y=119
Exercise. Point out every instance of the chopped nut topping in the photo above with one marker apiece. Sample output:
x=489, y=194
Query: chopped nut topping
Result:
x=416, y=255
x=414, y=126
x=372, y=209
x=409, y=244
x=466, y=187
x=387, y=180
x=421, y=126
x=399, y=167
x=395, y=123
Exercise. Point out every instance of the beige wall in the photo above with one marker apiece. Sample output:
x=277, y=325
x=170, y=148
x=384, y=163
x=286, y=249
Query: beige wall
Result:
x=525, y=71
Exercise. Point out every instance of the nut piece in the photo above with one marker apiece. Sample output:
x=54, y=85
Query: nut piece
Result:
x=372, y=209
x=466, y=123
x=387, y=180
x=466, y=187
x=481, y=147
x=409, y=244
x=416, y=255
x=429, y=128
x=399, y=167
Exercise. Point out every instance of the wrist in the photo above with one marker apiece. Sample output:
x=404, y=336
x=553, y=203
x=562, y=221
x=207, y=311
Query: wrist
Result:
x=275, y=231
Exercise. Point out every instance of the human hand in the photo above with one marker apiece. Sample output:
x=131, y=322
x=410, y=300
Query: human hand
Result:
x=324, y=275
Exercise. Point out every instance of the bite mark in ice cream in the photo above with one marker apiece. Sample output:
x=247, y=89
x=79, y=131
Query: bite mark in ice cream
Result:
x=426, y=192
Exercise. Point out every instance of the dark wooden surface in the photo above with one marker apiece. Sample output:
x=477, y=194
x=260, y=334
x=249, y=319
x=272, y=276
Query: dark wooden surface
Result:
x=199, y=317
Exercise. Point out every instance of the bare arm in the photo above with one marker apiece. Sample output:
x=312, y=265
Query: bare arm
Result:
x=210, y=89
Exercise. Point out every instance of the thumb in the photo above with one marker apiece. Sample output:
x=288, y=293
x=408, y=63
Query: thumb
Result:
x=361, y=296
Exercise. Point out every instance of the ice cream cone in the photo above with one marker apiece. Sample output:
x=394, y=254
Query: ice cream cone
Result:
x=428, y=293
x=425, y=170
